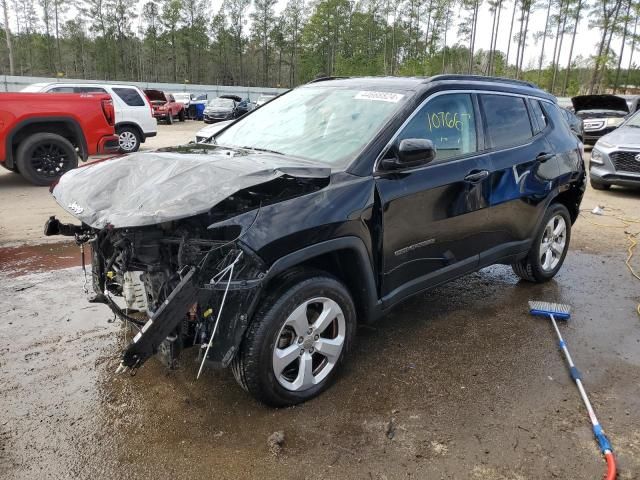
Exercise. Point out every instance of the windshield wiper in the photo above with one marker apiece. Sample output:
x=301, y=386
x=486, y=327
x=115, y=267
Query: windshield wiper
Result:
x=257, y=149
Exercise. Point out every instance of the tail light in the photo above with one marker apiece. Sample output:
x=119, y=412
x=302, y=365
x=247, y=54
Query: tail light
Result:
x=109, y=111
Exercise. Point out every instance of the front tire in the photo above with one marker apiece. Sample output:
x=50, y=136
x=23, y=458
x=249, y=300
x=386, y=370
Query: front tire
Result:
x=129, y=139
x=42, y=158
x=297, y=341
x=549, y=248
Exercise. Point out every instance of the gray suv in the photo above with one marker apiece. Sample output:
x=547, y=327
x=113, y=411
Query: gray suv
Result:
x=615, y=159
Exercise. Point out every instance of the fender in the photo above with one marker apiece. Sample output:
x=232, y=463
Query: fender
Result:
x=70, y=122
x=365, y=296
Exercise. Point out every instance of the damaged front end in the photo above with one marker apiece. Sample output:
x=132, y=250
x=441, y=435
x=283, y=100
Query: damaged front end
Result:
x=178, y=284
x=167, y=251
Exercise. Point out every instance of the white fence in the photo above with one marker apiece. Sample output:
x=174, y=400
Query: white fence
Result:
x=10, y=83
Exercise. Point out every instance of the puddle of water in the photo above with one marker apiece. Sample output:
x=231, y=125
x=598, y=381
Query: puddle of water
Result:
x=25, y=259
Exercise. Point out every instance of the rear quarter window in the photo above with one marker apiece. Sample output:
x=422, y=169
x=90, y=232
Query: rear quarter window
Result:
x=62, y=90
x=90, y=90
x=130, y=96
x=559, y=117
x=508, y=122
x=539, y=116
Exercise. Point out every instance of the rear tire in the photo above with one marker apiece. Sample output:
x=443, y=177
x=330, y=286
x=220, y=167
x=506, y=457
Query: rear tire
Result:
x=599, y=185
x=308, y=314
x=181, y=115
x=169, y=119
x=549, y=248
x=129, y=139
x=42, y=158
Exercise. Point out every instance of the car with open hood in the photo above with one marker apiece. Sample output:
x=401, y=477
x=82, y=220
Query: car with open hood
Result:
x=165, y=107
x=615, y=158
x=601, y=114
x=265, y=246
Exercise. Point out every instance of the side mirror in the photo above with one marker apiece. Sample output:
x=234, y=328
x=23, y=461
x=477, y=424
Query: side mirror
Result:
x=412, y=152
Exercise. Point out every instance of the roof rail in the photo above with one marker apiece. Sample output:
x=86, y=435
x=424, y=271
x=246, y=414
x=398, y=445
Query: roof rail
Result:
x=324, y=79
x=482, y=78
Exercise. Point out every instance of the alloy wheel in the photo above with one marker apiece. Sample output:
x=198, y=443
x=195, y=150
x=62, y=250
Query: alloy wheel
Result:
x=309, y=344
x=554, y=241
x=50, y=160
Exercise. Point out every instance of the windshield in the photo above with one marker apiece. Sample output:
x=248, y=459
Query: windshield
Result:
x=318, y=123
x=221, y=102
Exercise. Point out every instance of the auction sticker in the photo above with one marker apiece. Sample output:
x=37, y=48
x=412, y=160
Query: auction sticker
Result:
x=379, y=96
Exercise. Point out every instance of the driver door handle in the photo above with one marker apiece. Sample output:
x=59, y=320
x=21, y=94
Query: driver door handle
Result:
x=476, y=176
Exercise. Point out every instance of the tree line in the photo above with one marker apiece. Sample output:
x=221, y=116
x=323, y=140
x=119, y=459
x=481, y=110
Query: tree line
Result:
x=248, y=42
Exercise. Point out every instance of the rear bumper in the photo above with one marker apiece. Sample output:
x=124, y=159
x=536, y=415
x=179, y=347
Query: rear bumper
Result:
x=108, y=144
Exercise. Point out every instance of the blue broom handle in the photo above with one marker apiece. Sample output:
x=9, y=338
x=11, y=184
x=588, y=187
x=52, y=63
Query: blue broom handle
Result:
x=575, y=375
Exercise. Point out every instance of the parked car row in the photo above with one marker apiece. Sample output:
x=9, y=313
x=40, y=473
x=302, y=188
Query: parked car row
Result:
x=611, y=123
x=137, y=112
x=134, y=122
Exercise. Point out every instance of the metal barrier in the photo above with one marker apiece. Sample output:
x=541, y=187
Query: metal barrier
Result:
x=9, y=83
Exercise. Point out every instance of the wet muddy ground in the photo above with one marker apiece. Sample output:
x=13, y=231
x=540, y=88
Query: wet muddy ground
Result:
x=457, y=383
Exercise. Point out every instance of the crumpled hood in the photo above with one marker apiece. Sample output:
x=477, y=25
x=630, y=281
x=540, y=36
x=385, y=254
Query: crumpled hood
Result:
x=599, y=102
x=149, y=188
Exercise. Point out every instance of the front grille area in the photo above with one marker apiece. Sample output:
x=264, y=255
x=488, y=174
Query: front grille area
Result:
x=626, y=161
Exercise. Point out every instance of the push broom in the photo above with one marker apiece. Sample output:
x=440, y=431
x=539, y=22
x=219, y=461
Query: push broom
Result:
x=563, y=312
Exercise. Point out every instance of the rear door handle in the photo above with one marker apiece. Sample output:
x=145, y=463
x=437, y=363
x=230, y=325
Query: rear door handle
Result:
x=476, y=175
x=543, y=157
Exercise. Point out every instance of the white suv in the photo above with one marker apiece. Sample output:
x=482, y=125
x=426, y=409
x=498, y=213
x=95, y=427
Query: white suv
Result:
x=134, y=116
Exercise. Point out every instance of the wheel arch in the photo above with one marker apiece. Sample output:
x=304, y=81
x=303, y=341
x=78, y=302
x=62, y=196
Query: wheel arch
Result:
x=570, y=198
x=66, y=127
x=346, y=259
x=132, y=125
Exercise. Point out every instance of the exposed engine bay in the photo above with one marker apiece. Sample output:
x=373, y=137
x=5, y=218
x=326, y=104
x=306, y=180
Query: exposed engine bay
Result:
x=151, y=276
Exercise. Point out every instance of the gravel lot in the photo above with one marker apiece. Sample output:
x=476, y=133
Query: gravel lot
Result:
x=457, y=383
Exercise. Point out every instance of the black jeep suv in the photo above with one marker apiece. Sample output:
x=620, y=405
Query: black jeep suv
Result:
x=324, y=208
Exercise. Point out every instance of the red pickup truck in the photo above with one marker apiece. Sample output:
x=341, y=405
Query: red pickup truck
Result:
x=42, y=135
x=165, y=107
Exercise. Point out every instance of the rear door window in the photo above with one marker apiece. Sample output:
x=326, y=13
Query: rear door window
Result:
x=130, y=96
x=507, y=118
x=449, y=122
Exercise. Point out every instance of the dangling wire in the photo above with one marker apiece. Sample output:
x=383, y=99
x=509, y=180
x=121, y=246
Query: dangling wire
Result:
x=224, y=297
